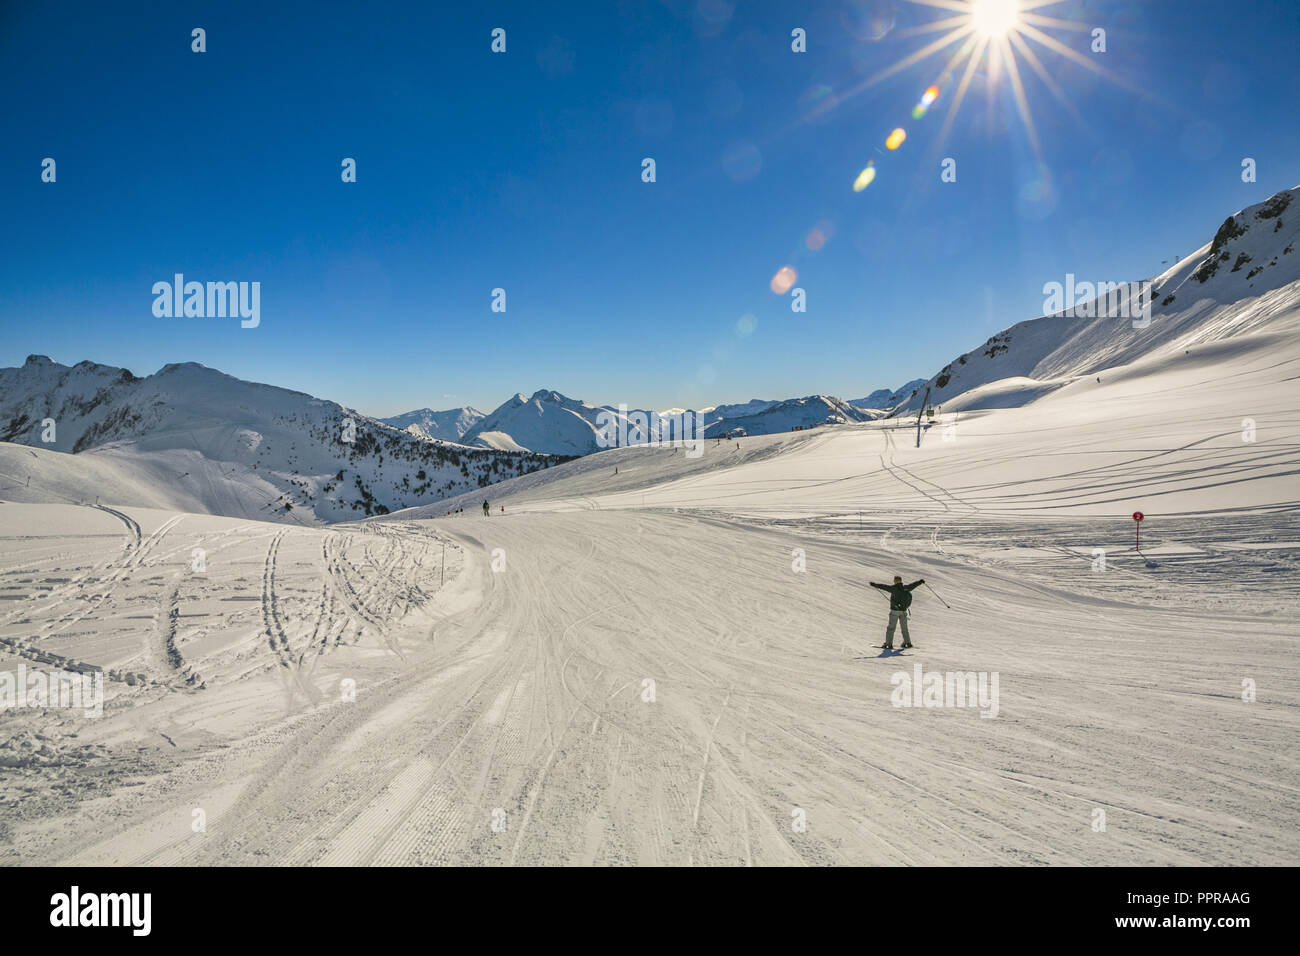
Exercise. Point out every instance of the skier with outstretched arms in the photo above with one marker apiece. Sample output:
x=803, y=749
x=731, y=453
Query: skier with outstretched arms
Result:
x=900, y=599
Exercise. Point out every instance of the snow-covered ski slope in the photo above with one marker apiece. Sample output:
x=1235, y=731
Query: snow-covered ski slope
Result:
x=1209, y=429
x=676, y=663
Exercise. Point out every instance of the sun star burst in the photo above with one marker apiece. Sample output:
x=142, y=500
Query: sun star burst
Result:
x=994, y=18
x=995, y=35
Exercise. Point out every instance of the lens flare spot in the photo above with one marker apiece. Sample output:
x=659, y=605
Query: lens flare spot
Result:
x=1037, y=196
x=712, y=17
x=865, y=177
x=819, y=235
x=869, y=19
x=896, y=138
x=816, y=101
x=742, y=161
x=725, y=98
x=784, y=280
x=746, y=324
x=927, y=100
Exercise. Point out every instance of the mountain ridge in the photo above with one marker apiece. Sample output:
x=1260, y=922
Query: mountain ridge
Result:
x=197, y=423
x=1206, y=296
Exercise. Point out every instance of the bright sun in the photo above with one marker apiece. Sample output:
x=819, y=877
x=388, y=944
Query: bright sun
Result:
x=997, y=36
x=994, y=18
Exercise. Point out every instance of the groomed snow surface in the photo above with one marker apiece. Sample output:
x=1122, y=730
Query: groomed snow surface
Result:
x=677, y=664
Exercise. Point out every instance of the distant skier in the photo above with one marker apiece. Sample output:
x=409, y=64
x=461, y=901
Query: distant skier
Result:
x=900, y=599
x=486, y=510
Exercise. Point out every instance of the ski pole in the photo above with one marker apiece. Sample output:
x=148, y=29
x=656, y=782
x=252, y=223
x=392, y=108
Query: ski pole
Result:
x=941, y=600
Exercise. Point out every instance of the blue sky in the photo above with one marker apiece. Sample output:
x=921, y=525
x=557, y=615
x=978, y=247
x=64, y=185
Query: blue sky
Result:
x=522, y=171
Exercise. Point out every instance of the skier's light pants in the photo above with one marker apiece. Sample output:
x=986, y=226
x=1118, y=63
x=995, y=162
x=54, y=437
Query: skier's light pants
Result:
x=896, y=618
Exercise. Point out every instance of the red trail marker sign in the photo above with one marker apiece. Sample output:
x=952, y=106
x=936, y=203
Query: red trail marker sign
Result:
x=1137, y=527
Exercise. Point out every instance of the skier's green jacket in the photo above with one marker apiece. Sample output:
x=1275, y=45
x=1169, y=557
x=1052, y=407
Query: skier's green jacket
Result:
x=900, y=595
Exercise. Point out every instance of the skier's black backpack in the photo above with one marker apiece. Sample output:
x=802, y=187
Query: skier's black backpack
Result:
x=905, y=598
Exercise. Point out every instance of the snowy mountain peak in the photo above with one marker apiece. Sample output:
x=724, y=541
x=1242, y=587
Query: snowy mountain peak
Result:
x=888, y=397
x=173, y=367
x=448, y=425
x=547, y=422
x=227, y=442
x=1244, y=281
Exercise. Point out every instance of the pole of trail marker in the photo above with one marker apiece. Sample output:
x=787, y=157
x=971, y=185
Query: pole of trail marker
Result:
x=1137, y=528
x=919, y=412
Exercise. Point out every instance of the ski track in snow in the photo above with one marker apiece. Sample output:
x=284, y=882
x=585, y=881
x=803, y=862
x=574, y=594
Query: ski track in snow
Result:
x=523, y=699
